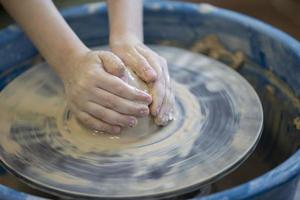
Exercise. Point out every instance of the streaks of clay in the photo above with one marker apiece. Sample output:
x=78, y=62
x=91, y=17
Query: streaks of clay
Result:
x=277, y=84
x=270, y=89
x=297, y=123
x=212, y=47
x=283, y=87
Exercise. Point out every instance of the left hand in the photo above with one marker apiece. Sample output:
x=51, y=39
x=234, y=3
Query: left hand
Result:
x=152, y=69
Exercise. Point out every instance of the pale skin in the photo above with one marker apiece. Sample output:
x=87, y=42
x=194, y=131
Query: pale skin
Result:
x=94, y=88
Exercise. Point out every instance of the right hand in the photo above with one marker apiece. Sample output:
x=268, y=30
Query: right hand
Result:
x=99, y=100
x=153, y=69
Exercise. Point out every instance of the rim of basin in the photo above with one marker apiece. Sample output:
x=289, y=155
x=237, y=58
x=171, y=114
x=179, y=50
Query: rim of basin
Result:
x=279, y=175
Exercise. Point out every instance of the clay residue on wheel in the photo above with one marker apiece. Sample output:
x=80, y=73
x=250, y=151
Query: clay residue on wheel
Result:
x=214, y=105
x=211, y=46
x=7, y=142
x=297, y=123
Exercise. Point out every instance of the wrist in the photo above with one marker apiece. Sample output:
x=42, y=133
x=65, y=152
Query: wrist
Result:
x=122, y=39
x=66, y=62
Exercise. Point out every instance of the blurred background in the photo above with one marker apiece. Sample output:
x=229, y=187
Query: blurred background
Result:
x=283, y=14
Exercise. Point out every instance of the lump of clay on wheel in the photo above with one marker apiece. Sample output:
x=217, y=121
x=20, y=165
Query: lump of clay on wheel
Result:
x=145, y=125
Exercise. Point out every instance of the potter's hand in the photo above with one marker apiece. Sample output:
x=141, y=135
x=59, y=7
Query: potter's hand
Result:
x=151, y=68
x=126, y=40
x=98, y=99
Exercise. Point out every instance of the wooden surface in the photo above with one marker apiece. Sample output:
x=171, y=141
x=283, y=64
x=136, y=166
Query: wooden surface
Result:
x=279, y=13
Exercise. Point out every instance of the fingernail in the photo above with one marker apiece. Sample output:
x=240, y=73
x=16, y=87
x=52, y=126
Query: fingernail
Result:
x=132, y=122
x=148, y=97
x=144, y=112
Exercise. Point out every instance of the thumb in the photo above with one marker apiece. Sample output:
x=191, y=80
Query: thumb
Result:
x=112, y=63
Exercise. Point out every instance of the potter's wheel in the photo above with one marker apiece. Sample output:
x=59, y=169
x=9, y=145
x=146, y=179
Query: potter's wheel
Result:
x=218, y=124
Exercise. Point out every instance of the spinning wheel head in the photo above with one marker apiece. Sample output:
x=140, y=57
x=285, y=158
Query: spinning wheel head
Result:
x=218, y=122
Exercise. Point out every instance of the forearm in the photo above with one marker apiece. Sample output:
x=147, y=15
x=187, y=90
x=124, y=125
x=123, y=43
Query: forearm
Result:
x=125, y=19
x=47, y=29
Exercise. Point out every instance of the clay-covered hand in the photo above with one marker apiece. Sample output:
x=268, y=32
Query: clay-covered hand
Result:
x=99, y=100
x=153, y=69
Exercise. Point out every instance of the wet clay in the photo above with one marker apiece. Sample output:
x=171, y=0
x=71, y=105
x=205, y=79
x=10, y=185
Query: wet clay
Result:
x=144, y=126
x=40, y=84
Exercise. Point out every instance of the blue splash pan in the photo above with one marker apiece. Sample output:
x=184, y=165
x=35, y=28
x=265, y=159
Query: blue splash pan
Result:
x=271, y=66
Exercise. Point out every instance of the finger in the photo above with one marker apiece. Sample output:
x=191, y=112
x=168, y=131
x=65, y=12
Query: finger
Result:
x=119, y=104
x=140, y=65
x=118, y=87
x=112, y=63
x=95, y=124
x=158, y=88
x=166, y=113
x=110, y=116
x=152, y=58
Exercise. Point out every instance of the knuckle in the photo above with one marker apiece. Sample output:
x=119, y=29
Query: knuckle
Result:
x=113, y=103
x=106, y=99
x=121, y=120
x=134, y=93
x=93, y=74
x=94, y=57
x=141, y=63
x=112, y=117
x=134, y=109
x=110, y=102
x=101, y=53
x=100, y=114
x=90, y=73
x=81, y=84
x=116, y=119
x=110, y=55
x=119, y=89
x=120, y=68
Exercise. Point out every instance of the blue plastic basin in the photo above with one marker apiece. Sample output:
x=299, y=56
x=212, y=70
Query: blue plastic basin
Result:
x=273, y=69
